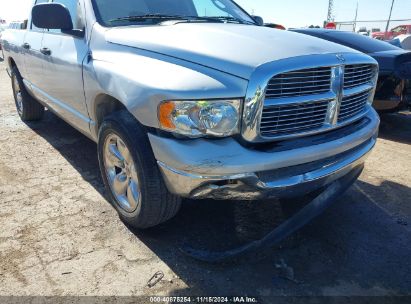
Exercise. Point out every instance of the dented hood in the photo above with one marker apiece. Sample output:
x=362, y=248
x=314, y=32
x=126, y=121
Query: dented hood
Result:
x=231, y=48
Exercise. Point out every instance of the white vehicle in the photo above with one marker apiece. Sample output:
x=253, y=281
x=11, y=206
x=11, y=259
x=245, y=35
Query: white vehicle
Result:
x=363, y=31
x=18, y=25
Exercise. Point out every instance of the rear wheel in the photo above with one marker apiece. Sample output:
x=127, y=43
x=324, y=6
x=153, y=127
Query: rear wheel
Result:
x=131, y=174
x=27, y=107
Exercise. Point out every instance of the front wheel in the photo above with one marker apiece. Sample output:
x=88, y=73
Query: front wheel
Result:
x=131, y=174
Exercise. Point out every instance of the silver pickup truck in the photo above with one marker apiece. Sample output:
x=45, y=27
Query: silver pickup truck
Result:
x=194, y=99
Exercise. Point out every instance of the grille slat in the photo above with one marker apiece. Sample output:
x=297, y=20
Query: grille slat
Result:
x=358, y=71
x=269, y=110
x=356, y=76
x=304, y=128
x=357, y=99
x=353, y=98
x=294, y=122
x=269, y=121
x=297, y=85
x=288, y=94
x=354, y=105
x=291, y=75
x=295, y=125
x=358, y=82
x=346, y=117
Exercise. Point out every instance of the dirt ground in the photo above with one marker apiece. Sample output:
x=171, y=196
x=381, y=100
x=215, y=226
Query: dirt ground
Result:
x=59, y=235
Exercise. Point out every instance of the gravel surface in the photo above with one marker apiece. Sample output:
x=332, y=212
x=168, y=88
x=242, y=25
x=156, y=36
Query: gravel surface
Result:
x=59, y=236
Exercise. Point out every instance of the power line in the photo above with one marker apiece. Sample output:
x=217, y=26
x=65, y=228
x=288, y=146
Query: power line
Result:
x=375, y=21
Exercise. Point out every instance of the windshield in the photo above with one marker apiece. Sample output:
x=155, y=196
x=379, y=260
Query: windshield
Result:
x=125, y=12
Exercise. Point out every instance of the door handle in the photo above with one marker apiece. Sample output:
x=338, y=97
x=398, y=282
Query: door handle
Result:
x=45, y=51
x=26, y=46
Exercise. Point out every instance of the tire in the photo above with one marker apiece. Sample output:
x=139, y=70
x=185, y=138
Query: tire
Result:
x=27, y=107
x=155, y=204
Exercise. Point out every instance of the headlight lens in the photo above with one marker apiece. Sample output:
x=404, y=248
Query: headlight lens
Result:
x=199, y=118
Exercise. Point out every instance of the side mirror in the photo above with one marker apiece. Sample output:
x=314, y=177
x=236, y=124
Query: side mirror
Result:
x=53, y=16
x=259, y=20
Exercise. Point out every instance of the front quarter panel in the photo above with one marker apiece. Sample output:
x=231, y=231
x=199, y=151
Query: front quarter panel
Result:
x=140, y=80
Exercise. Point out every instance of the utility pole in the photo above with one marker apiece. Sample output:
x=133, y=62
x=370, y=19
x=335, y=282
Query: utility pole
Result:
x=356, y=16
x=330, y=15
x=389, y=20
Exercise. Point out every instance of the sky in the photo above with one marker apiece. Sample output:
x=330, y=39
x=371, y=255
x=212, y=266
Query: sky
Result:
x=290, y=13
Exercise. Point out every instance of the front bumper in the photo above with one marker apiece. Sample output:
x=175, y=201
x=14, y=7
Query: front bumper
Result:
x=224, y=169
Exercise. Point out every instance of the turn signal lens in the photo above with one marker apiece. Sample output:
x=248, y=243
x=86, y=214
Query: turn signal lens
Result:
x=165, y=112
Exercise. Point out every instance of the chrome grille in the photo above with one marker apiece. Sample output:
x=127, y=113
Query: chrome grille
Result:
x=308, y=101
x=353, y=105
x=357, y=75
x=300, y=83
x=293, y=118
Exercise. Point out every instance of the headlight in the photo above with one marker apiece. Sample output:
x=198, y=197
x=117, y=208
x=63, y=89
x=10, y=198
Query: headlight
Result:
x=203, y=117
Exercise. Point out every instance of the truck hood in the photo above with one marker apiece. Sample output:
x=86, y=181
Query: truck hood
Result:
x=231, y=48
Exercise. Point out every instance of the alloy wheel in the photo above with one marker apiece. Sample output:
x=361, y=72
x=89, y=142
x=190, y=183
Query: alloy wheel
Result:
x=121, y=173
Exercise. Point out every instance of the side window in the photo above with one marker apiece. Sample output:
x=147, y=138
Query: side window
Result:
x=33, y=27
x=399, y=29
x=74, y=6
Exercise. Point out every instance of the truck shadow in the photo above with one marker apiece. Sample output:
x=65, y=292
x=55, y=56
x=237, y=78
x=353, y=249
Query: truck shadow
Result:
x=355, y=248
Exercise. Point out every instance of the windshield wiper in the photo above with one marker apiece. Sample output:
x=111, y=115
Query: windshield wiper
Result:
x=179, y=17
x=229, y=19
x=147, y=16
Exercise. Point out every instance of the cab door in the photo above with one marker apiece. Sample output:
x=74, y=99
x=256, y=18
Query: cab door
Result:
x=63, y=66
x=32, y=72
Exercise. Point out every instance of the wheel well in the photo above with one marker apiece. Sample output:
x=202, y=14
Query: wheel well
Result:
x=12, y=63
x=104, y=106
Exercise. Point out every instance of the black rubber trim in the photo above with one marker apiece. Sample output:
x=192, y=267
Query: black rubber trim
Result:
x=296, y=222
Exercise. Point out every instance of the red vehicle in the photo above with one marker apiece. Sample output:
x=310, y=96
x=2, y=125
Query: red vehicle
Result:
x=330, y=26
x=275, y=25
x=396, y=31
